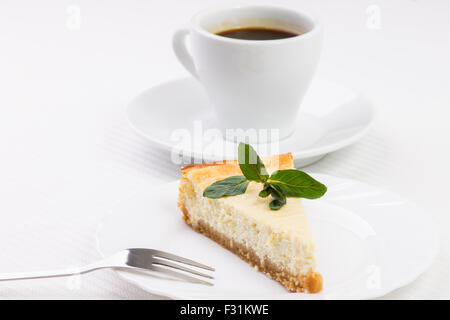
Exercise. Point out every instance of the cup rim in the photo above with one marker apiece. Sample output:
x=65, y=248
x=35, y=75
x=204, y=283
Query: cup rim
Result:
x=195, y=25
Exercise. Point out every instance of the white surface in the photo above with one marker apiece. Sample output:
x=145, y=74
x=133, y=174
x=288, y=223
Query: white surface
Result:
x=262, y=81
x=326, y=122
x=67, y=153
x=359, y=255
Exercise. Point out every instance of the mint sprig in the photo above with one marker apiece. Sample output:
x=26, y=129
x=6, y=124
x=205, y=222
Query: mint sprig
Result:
x=280, y=185
x=296, y=183
x=250, y=163
x=231, y=186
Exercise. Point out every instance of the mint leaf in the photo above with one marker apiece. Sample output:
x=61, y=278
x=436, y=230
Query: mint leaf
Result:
x=279, y=199
x=265, y=192
x=251, y=165
x=276, y=204
x=230, y=186
x=296, y=183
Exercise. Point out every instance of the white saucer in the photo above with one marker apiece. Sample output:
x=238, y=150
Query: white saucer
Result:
x=367, y=244
x=331, y=117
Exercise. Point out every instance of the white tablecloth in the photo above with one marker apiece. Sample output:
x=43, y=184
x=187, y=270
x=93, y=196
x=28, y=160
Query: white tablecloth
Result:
x=67, y=155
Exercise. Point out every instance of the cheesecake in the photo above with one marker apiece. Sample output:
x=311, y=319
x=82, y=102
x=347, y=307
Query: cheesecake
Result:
x=277, y=243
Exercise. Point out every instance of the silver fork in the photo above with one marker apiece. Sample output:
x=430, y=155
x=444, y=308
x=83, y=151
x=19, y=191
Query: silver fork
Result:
x=135, y=259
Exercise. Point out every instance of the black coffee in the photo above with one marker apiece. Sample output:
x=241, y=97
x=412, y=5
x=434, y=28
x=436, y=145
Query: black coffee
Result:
x=257, y=34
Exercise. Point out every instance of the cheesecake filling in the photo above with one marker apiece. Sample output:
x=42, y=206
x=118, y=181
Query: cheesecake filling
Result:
x=279, y=237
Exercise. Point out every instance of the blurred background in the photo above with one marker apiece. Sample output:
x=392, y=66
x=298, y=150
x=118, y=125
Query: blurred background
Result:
x=67, y=154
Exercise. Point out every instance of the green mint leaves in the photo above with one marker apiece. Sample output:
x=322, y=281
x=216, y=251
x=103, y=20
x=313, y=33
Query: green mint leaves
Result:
x=280, y=185
x=279, y=198
x=231, y=186
x=251, y=165
x=296, y=183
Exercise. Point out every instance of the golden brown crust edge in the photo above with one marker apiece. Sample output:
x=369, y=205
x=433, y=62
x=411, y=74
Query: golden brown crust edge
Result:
x=310, y=283
x=284, y=160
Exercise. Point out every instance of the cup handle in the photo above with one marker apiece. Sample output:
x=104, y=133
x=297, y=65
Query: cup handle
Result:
x=181, y=51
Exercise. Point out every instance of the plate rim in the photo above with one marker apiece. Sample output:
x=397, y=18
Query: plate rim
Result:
x=419, y=270
x=301, y=154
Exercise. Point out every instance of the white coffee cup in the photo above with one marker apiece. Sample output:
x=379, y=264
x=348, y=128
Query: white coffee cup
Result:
x=252, y=84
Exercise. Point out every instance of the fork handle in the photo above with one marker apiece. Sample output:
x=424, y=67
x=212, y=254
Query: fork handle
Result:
x=49, y=273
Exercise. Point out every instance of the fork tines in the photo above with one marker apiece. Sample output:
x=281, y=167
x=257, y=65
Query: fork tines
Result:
x=169, y=256
x=166, y=261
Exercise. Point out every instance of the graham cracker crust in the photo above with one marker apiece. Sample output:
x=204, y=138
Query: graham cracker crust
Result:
x=311, y=283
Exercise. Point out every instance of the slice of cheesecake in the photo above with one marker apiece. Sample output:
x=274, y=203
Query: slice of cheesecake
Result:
x=277, y=243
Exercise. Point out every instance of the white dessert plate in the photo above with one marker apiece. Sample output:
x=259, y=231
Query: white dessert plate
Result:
x=368, y=243
x=176, y=116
